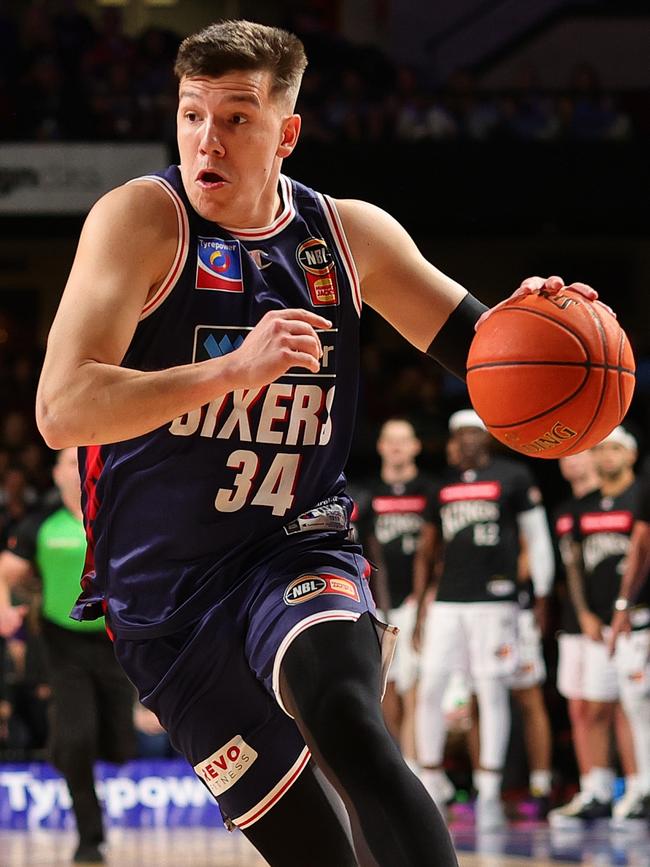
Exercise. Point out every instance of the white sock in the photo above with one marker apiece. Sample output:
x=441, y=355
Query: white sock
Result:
x=632, y=784
x=584, y=782
x=601, y=784
x=488, y=784
x=540, y=783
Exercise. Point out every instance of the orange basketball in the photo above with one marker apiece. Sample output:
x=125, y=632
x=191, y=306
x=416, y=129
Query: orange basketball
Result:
x=551, y=375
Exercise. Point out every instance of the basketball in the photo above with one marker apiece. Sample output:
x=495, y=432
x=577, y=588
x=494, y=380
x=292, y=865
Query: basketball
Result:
x=551, y=375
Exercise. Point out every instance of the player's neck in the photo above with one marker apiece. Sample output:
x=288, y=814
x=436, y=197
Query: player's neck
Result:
x=478, y=463
x=614, y=487
x=399, y=475
x=581, y=487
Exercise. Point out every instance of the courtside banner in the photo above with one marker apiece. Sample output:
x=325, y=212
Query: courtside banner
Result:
x=69, y=178
x=143, y=793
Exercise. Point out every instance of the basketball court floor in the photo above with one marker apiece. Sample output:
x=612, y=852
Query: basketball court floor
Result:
x=523, y=845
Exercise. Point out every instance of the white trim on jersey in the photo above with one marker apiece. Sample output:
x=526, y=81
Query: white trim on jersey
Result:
x=286, y=215
x=318, y=617
x=341, y=241
x=182, y=247
x=262, y=807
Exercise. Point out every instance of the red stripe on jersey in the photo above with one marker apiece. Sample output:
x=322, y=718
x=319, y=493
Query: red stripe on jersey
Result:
x=606, y=522
x=474, y=491
x=93, y=470
x=563, y=525
x=343, y=249
x=381, y=505
x=355, y=512
x=182, y=241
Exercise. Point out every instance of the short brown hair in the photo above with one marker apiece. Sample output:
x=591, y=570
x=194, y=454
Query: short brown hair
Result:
x=238, y=44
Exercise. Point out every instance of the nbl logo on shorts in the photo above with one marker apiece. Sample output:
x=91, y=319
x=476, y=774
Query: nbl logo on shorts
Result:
x=218, y=265
x=308, y=586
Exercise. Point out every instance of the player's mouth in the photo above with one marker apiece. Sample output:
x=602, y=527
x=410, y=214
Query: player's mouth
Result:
x=209, y=179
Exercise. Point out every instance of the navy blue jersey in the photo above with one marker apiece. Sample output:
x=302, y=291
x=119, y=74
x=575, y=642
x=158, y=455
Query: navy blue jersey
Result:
x=176, y=516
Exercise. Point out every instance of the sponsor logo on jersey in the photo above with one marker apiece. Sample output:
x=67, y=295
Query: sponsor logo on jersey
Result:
x=326, y=516
x=229, y=763
x=315, y=259
x=218, y=265
x=500, y=587
x=307, y=587
x=476, y=491
x=606, y=522
x=381, y=505
x=213, y=341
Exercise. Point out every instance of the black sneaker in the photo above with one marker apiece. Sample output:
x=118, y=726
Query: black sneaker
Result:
x=88, y=853
x=581, y=809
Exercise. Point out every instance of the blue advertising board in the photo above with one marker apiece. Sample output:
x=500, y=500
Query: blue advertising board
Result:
x=143, y=793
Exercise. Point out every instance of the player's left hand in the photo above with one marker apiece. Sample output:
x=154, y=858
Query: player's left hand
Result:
x=545, y=286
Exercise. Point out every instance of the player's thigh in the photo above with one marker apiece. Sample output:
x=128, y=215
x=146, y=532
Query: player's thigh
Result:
x=404, y=669
x=492, y=631
x=600, y=674
x=632, y=660
x=444, y=646
x=309, y=587
x=571, y=666
x=245, y=750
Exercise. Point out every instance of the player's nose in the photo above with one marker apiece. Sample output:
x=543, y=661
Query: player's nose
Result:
x=210, y=142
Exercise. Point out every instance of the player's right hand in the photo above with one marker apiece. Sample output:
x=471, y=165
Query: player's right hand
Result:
x=11, y=619
x=282, y=339
x=620, y=625
x=591, y=625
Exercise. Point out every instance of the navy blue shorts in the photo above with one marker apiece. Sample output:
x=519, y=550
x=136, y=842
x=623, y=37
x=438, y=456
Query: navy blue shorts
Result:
x=214, y=685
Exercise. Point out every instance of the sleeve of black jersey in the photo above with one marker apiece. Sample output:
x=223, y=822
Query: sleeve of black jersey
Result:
x=22, y=542
x=526, y=494
x=643, y=508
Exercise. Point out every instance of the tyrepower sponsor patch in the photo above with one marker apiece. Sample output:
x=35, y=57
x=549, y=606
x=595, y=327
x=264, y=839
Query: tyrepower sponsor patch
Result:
x=226, y=766
x=306, y=587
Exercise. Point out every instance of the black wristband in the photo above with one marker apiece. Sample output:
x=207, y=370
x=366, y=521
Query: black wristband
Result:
x=450, y=346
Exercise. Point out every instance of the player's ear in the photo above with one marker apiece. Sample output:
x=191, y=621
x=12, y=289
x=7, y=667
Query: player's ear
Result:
x=290, y=133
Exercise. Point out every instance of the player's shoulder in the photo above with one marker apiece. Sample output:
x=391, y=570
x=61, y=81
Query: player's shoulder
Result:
x=138, y=206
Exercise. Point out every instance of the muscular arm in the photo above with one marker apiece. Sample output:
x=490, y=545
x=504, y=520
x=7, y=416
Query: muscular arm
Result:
x=637, y=563
x=84, y=396
x=575, y=582
x=396, y=280
x=423, y=562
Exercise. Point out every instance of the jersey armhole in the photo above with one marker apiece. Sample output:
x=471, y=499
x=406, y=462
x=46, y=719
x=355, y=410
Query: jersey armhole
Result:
x=182, y=247
x=340, y=239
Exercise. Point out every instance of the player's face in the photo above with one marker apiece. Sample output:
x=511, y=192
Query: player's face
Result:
x=452, y=452
x=397, y=444
x=232, y=135
x=574, y=468
x=612, y=459
x=472, y=444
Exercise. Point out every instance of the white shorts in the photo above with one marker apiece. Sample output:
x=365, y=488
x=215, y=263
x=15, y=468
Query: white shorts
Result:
x=570, y=665
x=587, y=671
x=633, y=663
x=479, y=638
x=404, y=669
x=531, y=670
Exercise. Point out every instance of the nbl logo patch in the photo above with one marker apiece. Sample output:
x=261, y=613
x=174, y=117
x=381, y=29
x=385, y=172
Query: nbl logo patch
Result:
x=315, y=259
x=308, y=586
x=218, y=265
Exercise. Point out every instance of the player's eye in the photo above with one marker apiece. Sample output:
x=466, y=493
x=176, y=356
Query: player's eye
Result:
x=191, y=116
x=238, y=119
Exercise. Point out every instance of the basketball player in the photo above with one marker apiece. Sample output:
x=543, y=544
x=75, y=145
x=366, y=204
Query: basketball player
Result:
x=91, y=708
x=630, y=639
x=205, y=355
x=602, y=525
x=580, y=472
x=482, y=506
x=400, y=539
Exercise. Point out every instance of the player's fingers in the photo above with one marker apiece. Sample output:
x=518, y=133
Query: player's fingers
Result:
x=530, y=285
x=304, y=359
x=307, y=343
x=583, y=289
x=305, y=316
x=296, y=326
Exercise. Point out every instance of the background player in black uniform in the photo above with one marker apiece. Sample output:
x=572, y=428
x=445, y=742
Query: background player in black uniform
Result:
x=580, y=472
x=630, y=637
x=91, y=709
x=601, y=533
x=482, y=506
x=398, y=532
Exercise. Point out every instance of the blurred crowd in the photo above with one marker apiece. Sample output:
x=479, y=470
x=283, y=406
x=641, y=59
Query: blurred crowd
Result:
x=65, y=76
